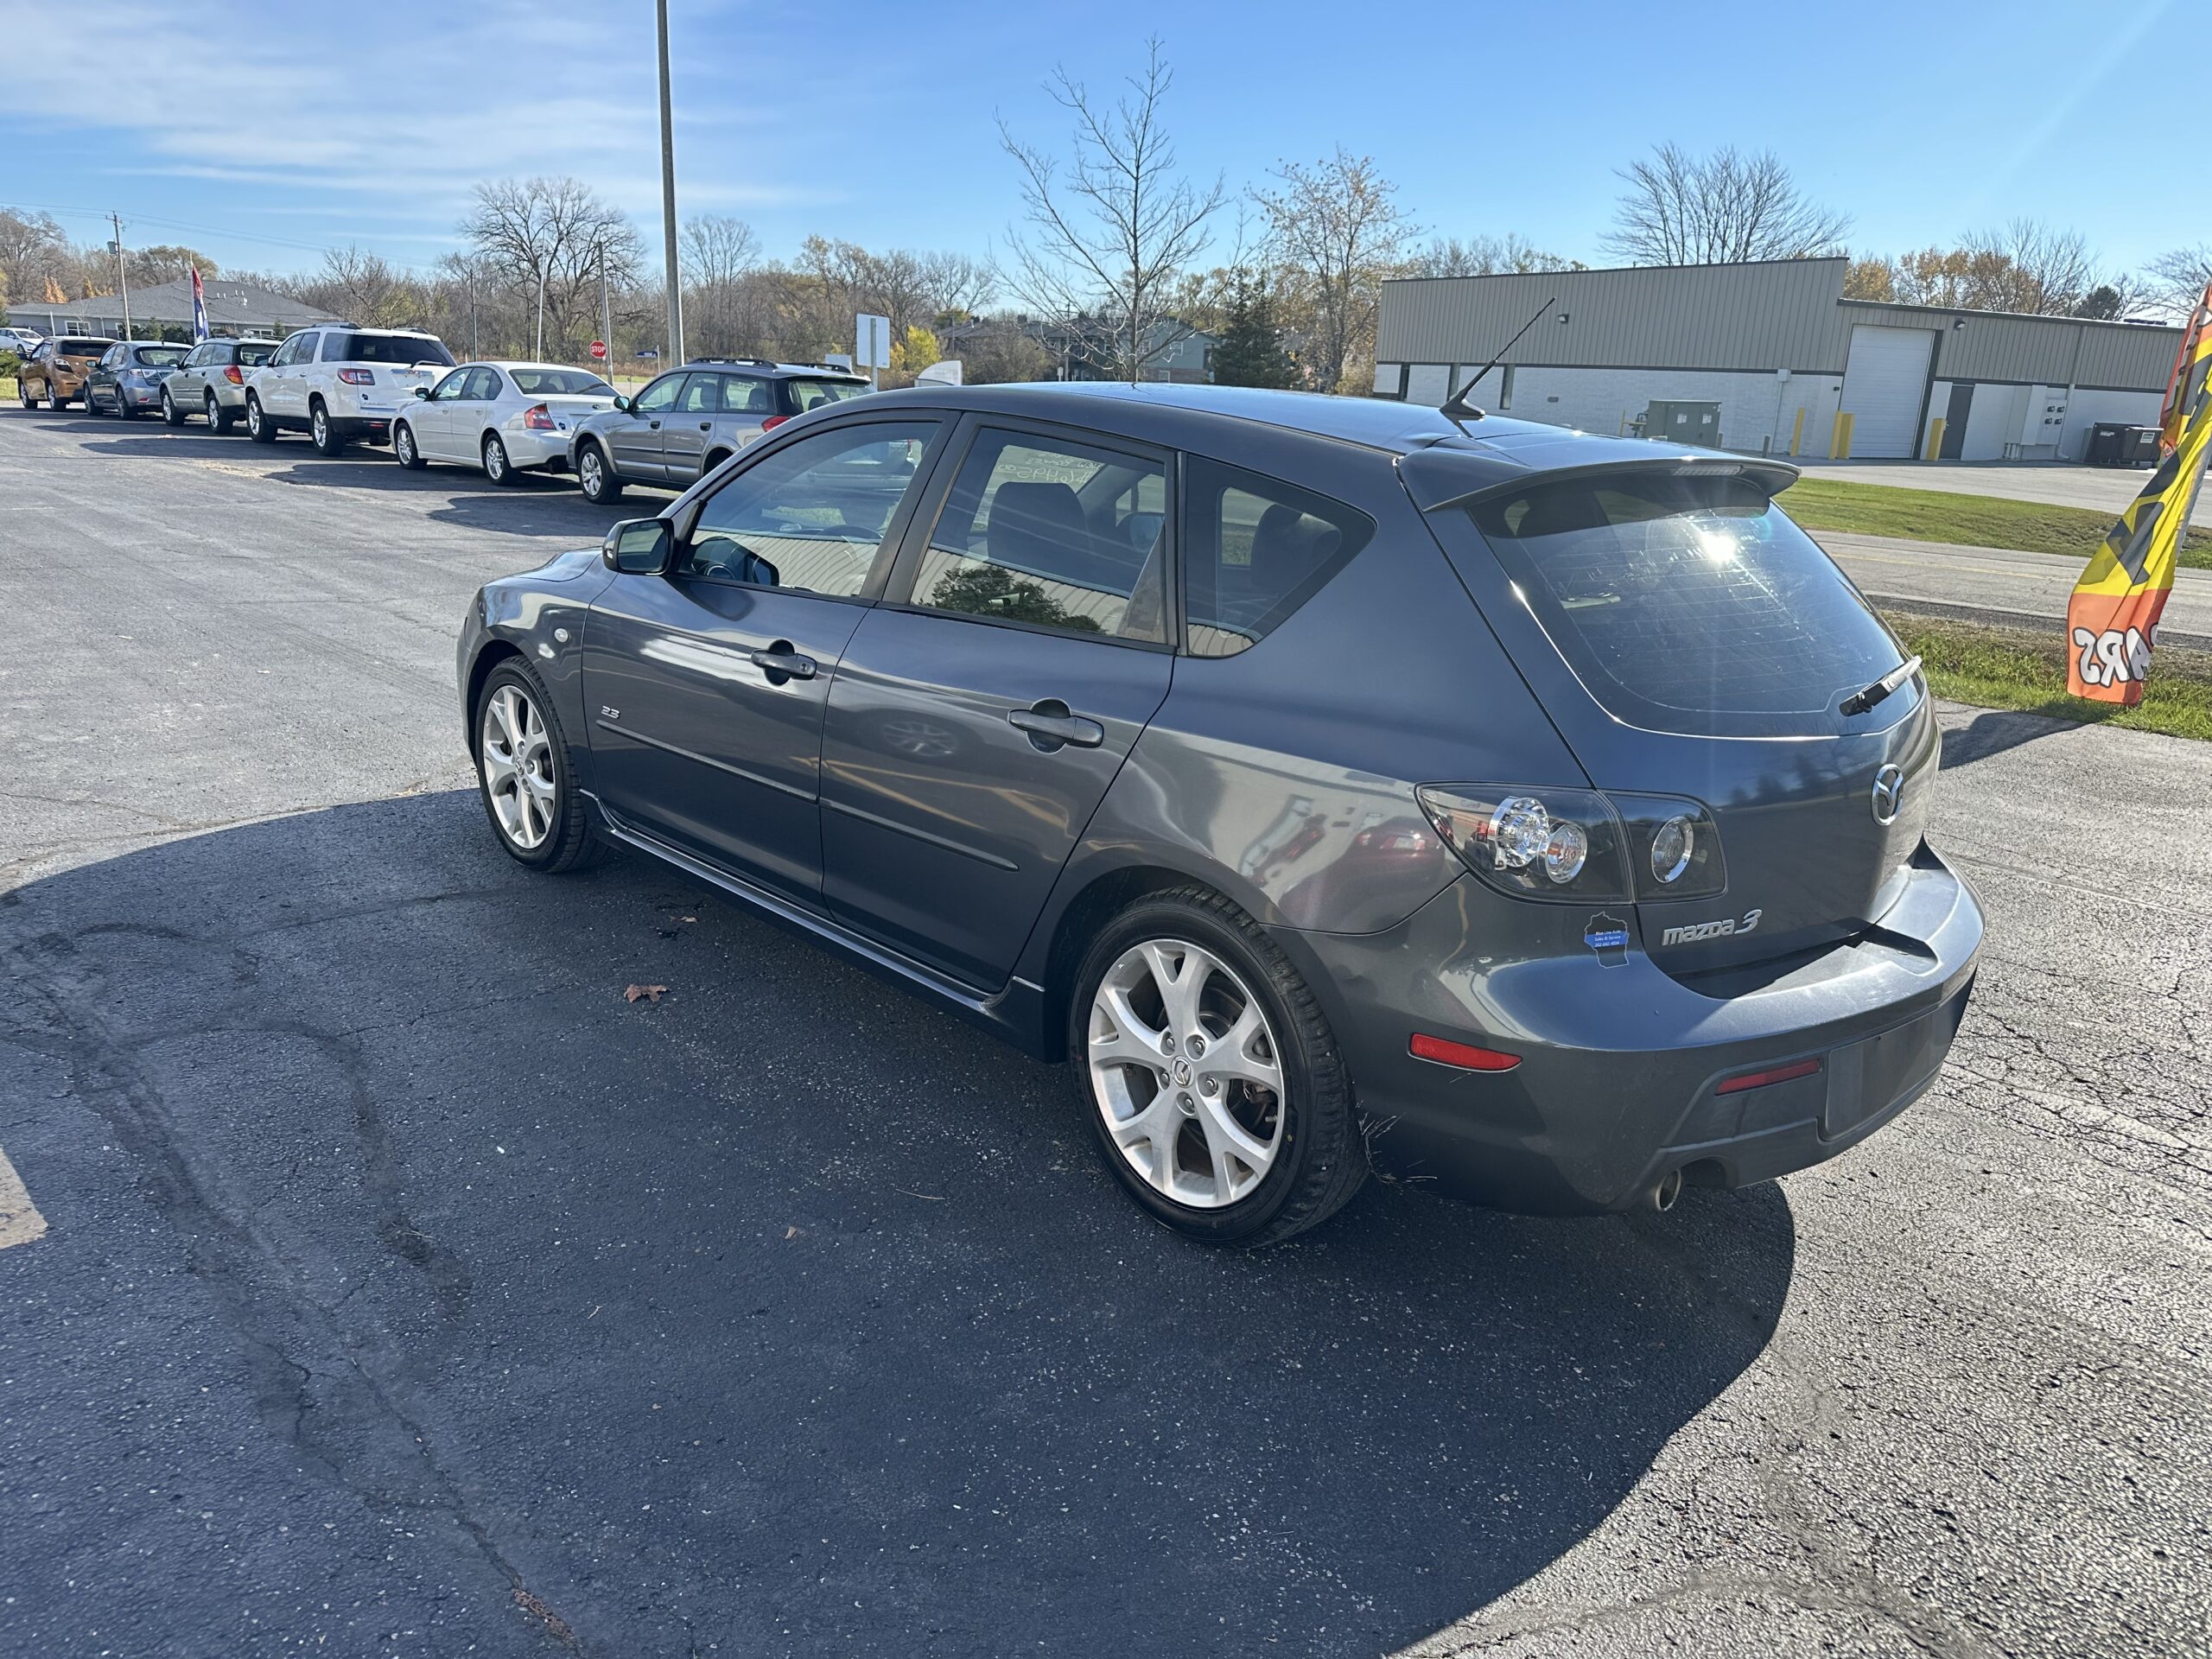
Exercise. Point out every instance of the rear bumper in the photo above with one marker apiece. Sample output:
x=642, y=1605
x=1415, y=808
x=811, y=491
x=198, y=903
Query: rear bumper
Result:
x=535, y=449
x=1620, y=1065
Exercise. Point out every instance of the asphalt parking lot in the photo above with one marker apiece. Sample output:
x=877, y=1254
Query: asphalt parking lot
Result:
x=405, y=1290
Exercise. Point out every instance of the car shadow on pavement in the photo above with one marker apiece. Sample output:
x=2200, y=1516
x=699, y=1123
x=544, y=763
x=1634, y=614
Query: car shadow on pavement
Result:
x=533, y=505
x=778, y=1308
x=1994, y=731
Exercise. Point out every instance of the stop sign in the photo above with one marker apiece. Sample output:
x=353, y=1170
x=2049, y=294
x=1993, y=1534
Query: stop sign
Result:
x=598, y=351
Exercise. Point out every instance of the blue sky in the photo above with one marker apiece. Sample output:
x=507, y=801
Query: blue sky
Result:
x=262, y=133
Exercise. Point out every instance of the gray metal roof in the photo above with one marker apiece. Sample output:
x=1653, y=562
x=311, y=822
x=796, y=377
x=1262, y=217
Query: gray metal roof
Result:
x=1787, y=314
x=230, y=305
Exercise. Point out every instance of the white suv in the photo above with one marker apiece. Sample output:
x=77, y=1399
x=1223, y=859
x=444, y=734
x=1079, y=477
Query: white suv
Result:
x=337, y=382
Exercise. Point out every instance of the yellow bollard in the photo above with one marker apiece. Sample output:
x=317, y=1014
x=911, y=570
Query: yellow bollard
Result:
x=1934, y=439
x=1797, y=431
x=1839, y=444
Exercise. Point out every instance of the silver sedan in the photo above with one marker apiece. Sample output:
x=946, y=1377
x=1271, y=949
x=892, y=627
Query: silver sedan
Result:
x=506, y=418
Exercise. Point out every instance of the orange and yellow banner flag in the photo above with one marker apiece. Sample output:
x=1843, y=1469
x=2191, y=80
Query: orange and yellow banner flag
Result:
x=2112, y=618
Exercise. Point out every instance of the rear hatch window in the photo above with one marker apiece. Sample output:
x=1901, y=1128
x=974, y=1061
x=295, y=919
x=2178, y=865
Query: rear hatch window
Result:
x=401, y=349
x=81, y=348
x=1688, y=604
x=252, y=356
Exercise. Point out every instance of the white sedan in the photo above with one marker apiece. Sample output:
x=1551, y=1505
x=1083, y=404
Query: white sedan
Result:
x=507, y=418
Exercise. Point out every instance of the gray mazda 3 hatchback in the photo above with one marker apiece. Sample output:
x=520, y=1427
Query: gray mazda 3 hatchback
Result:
x=1535, y=817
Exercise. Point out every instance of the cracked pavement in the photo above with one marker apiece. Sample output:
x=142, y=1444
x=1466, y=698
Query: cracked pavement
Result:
x=407, y=1292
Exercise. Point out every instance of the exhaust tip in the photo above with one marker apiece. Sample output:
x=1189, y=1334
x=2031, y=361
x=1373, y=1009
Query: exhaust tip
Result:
x=1666, y=1190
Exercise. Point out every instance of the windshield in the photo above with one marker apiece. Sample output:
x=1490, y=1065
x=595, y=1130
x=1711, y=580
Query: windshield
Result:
x=1671, y=595
x=390, y=348
x=161, y=357
x=252, y=356
x=811, y=394
x=550, y=383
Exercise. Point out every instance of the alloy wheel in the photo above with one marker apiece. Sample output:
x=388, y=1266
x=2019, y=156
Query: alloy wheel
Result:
x=590, y=474
x=518, y=767
x=1186, y=1072
x=403, y=445
x=495, y=460
x=321, y=429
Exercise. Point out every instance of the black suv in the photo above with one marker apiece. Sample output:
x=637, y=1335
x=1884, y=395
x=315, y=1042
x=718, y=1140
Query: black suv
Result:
x=692, y=419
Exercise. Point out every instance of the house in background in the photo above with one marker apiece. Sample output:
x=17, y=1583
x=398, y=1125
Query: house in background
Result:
x=234, y=310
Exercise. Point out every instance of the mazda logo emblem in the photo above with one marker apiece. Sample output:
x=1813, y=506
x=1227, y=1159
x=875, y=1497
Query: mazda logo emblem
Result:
x=1889, y=794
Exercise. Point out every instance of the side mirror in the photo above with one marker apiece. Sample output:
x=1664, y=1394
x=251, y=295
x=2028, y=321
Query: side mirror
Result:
x=622, y=403
x=637, y=546
x=422, y=391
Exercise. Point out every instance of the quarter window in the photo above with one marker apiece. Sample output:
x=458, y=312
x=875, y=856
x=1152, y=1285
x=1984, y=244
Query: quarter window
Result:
x=1255, y=548
x=1052, y=533
x=812, y=516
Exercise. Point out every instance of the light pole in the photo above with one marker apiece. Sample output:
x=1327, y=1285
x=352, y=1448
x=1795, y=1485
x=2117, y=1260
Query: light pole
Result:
x=668, y=198
x=122, y=274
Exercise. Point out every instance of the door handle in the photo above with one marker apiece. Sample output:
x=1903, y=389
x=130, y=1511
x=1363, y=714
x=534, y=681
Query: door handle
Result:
x=706, y=426
x=780, y=663
x=653, y=425
x=1050, y=725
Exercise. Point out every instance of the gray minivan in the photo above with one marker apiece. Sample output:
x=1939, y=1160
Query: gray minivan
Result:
x=212, y=381
x=1530, y=816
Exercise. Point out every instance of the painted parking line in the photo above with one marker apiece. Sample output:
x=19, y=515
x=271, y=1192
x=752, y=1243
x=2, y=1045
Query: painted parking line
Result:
x=19, y=1221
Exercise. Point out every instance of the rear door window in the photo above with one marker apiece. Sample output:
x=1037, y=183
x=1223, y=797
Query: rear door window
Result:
x=1255, y=548
x=1673, y=597
x=1039, y=531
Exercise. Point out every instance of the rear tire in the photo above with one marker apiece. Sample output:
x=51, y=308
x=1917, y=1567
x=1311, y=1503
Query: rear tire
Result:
x=595, y=476
x=1301, y=1138
x=219, y=418
x=23, y=391
x=523, y=777
x=123, y=410
x=403, y=449
x=329, y=442
x=258, y=425
x=171, y=414
x=496, y=466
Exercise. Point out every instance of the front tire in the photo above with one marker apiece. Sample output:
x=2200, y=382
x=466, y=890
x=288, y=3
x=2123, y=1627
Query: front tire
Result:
x=1209, y=1074
x=523, y=774
x=595, y=476
x=404, y=450
x=258, y=425
x=329, y=442
x=497, y=467
x=171, y=414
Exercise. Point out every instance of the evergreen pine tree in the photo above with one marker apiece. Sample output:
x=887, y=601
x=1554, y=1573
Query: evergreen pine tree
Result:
x=1250, y=353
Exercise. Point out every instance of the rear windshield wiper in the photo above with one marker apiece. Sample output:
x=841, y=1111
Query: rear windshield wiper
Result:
x=1867, y=696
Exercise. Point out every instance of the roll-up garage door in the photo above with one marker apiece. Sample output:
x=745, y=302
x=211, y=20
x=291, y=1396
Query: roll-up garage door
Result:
x=1883, y=381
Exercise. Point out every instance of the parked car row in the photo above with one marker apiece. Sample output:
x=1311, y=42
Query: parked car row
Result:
x=340, y=384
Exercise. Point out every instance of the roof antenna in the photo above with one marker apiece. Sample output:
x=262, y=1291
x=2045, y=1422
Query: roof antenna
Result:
x=1456, y=409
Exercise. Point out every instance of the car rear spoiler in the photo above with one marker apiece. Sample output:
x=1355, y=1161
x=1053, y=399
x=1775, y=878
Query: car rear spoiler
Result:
x=1444, y=476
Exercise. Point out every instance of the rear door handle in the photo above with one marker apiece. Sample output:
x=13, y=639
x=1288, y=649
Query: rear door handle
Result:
x=1050, y=725
x=781, y=662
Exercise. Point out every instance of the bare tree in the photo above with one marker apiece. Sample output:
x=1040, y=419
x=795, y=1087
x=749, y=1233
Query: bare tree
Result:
x=2027, y=266
x=1724, y=208
x=721, y=309
x=550, y=237
x=1334, y=231
x=362, y=287
x=1110, y=235
x=2178, y=278
x=1481, y=255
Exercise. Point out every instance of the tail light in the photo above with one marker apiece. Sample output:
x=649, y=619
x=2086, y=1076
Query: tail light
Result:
x=774, y=422
x=357, y=377
x=1536, y=843
x=232, y=375
x=538, y=418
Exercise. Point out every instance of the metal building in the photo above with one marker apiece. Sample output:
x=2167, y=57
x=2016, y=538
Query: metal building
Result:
x=1769, y=357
